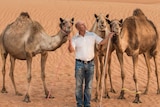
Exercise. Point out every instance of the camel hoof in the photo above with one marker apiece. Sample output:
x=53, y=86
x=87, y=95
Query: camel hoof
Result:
x=27, y=99
x=95, y=100
x=107, y=96
x=18, y=94
x=121, y=95
x=4, y=90
x=49, y=96
x=113, y=91
x=145, y=92
x=137, y=100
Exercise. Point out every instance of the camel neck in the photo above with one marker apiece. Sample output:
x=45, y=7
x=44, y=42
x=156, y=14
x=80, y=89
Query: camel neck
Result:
x=59, y=39
x=51, y=43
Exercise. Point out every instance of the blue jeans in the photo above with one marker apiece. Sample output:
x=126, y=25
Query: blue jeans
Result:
x=84, y=73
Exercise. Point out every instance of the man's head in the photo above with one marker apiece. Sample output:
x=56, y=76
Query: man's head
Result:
x=80, y=26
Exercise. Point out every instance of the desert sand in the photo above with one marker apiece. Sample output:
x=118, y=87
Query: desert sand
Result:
x=60, y=64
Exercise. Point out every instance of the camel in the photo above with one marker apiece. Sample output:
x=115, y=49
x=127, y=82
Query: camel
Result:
x=101, y=27
x=138, y=36
x=25, y=38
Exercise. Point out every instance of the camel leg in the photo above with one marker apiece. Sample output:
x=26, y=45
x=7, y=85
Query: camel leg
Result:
x=11, y=74
x=97, y=77
x=157, y=74
x=29, y=77
x=4, y=56
x=44, y=56
x=135, y=76
x=146, y=56
x=101, y=71
x=109, y=72
x=105, y=84
x=120, y=58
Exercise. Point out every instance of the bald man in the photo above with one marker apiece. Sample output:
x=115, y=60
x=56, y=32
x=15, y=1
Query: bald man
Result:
x=83, y=45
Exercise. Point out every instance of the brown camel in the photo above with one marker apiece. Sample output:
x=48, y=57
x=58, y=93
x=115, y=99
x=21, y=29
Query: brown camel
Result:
x=101, y=27
x=138, y=36
x=23, y=39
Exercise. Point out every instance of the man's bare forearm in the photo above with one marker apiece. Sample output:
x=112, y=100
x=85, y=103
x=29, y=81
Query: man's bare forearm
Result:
x=70, y=47
x=105, y=40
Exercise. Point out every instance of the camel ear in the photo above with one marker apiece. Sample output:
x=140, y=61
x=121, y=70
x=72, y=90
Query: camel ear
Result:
x=107, y=16
x=121, y=21
x=108, y=21
x=72, y=21
x=61, y=20
x=95, y=15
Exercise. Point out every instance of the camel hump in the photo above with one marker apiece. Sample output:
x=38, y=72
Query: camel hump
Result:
x=24, y=14
x=138, y=12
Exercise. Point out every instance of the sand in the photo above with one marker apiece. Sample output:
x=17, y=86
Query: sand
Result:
x=60, y=64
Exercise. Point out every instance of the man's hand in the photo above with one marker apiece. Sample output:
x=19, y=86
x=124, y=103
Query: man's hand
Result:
x=110, y=35
x=69, y=37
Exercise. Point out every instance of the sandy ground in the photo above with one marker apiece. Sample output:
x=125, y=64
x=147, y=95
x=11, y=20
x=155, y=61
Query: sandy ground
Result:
x=60, y=64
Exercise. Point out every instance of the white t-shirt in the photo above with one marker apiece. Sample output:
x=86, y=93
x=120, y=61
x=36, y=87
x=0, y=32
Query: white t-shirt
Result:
x=84, y=45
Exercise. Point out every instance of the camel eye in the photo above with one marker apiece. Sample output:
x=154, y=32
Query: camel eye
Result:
x=63, y=23
x=120, y=25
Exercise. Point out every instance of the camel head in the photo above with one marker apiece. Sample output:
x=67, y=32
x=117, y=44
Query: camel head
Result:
x=116, y=26
x=102, y=22
x=66, y=25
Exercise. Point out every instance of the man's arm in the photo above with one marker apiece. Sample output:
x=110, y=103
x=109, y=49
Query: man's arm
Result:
x=105, y=40
x=70, y=47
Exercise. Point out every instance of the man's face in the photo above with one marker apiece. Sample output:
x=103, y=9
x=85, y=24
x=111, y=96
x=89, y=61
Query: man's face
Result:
x=81, y=26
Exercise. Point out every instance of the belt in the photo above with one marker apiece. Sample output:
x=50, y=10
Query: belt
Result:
x=85, y=62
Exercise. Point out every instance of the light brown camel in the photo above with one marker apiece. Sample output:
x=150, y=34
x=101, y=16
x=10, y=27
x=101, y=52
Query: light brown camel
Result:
x=101, y=27
x=138, y=36
x=23, y=39
x=115, y=27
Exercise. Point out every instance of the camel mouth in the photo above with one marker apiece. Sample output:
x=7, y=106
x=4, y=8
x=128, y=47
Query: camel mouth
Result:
x=66, y=33
x=115, y=31
x=102, y=27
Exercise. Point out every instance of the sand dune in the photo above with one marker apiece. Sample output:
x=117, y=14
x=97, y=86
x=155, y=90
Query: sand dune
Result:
x=60, y=64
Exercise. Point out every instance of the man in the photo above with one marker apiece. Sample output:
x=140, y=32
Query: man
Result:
x=83, y=44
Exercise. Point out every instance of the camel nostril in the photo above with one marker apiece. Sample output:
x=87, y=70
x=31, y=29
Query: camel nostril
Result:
x=102, y=22
x=68, y=27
